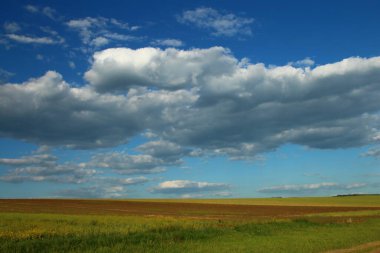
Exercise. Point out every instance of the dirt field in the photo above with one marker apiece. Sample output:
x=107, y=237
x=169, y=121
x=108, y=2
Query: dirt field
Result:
x=112, y=207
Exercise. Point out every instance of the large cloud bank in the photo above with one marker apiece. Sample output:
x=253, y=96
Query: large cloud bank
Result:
x=198, y=101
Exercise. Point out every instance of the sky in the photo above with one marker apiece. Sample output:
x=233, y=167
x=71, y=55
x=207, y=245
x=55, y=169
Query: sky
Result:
x=189, y=99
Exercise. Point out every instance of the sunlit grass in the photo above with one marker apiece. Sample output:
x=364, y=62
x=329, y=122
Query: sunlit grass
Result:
x=105, y=233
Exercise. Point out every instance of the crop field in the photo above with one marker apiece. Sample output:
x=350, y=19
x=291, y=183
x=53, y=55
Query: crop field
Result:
x=336, y=224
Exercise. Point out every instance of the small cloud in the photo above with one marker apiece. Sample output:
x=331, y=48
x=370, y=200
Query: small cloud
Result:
x=307, y=62
x=50, y=13
x=168, y=43
x=99, y=42
x=96, y=31
x=373, y=152
x=188, y=187
x=121, y=37
x=302, y=188
x=5, y=75
x=94, y=192
x=72, y=64
x=32, y=40
x=31, y=8
x=46, y=11
x=11, y=27
x=39, y=57
x=221, y=24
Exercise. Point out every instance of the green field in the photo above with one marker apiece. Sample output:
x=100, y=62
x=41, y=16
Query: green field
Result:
x=33, y=231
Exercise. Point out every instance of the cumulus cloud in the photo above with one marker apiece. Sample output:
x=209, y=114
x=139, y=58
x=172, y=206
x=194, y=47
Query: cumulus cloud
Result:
x=188, y=187
x=123, y=68
x=43, y=166
x=198, y=102
x=305, y=188
x=221, y=24
x=80, y=117
x=168, y=43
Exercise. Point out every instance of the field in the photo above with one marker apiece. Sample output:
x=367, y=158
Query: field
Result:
x=335, y=224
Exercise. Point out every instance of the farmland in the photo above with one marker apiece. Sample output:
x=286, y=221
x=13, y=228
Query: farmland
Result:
x=225, y=225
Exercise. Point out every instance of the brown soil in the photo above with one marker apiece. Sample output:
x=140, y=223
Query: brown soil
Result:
x=116, y=207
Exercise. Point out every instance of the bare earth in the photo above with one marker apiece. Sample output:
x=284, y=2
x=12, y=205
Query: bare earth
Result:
x=140, y=208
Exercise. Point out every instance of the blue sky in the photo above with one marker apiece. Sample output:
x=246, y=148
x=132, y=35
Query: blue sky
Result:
x=189, y=99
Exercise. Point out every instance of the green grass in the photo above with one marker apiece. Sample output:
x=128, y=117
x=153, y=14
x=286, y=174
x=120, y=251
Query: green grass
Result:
x=22, y=232
x=364, y=201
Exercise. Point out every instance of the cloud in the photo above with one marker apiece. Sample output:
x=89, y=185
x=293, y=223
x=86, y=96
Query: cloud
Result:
x=221, y=24
x=46, y=11
x=79, y=117
x=168, y=43
x=373, y=152
x=32, y=40
x=188, y=187
x=198, y=102
x=11, y=27
x=305, y=188
x=99, y=42
x=44, y=167
x=32, y=8
x=167, y=151
x=307, y=62
x=72, y=65
x=5, y=75
x=130, y=164
x=123, y=68
x=94, y=192
x=99, y=31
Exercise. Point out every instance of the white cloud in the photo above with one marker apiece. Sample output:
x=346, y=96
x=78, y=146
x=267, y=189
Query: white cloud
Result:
x=188, y=187
x=97, y=191
x=34, y=40
x=44, y=167
x=198, y=102
x=99, y=42
x=99, y=31
x=120, y=37
x=123, y=68
x=307, y=62
x=46, y=11
x=11, y=27
x=167, y=151
x=168, y=43
x=305, y=188
x=221, y=24
x=49, y=12
x=32, y=8
x=72, y=64
x=373, y=152
x=131, y=164
x=5, y=75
